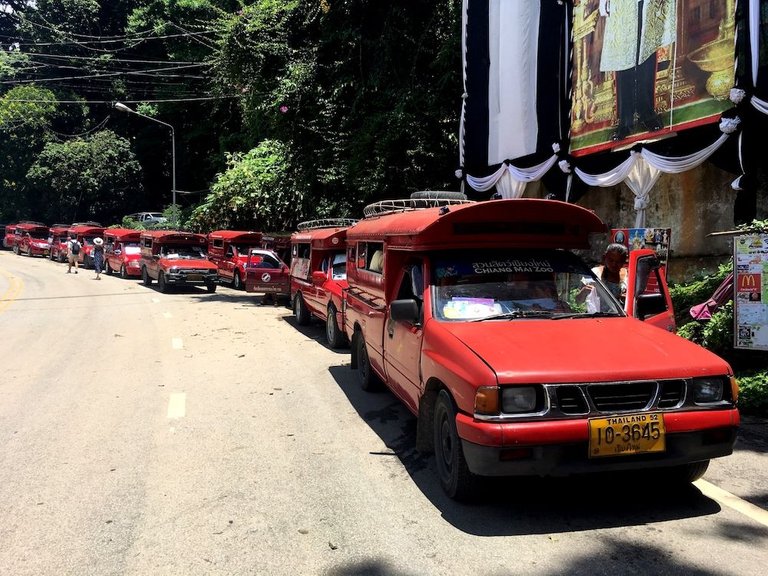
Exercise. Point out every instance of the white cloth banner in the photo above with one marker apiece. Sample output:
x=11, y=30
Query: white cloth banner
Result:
x=642, y=170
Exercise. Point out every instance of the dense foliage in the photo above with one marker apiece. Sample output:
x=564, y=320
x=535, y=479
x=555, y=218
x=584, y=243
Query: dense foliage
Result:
x=716, y=334
x=358, y=100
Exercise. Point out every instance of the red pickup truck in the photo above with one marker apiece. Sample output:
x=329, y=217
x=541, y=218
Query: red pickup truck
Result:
x=468, y=313
x=266, y=273
x=86, y=232
x=122, y=253
x=176, y=258
x=58, y=238
x=31, y=239
x=229, y=249
x=319, y=274
x=9, y=236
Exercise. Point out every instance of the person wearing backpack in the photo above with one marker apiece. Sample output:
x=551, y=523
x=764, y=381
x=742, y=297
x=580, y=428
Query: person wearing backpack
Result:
x=73, y=249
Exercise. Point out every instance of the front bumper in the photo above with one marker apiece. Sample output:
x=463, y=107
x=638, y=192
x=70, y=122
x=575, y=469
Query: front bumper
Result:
x=191, y=279
x=560, y=448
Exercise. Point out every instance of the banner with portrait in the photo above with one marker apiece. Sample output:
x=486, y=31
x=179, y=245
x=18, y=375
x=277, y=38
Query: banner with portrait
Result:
x=647, y=69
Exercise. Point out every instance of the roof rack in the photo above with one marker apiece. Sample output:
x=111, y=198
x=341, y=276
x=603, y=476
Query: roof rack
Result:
x=408, y=204
x=31, y=222
x=326, y=223
x=88, y=223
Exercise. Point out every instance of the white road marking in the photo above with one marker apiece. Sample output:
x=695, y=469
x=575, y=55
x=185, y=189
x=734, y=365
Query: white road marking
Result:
x=167, y=315
x=732, y=501
x=177, y=343
x=177, y=405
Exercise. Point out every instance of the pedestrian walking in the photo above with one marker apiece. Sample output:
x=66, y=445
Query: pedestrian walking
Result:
x=98, y=256
x=73, y=249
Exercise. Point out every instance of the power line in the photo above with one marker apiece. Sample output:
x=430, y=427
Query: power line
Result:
x=199, y=99
x=107, y=74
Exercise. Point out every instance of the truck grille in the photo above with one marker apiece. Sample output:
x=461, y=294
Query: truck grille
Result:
x=571, y=400
x=624, y=396
x=672, y=393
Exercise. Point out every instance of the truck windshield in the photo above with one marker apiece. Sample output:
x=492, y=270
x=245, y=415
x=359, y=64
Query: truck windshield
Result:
x=515, y=284
x=339, y=266
x=185, y=252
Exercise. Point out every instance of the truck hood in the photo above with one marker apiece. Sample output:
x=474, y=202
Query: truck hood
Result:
x=580, y=350
x=188, y=263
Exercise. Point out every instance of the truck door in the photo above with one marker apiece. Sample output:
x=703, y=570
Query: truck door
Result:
x=648, y=296
x=403, y=338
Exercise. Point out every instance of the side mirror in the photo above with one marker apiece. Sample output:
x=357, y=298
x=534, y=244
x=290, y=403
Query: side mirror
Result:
x=404, y=310
x=118, y=252
x=649, y=305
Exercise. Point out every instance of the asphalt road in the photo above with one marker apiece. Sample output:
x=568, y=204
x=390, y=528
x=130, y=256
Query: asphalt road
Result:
x=193, y=433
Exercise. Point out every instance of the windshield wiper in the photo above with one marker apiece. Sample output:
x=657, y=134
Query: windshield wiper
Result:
x=585, y=315
x=516, y=314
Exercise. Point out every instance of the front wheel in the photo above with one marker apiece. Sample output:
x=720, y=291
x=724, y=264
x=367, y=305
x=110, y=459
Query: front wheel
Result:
x=300, y=310
x=145, y=277
x=687, y=473
x=237, y=282
x=108, y=269
x=455, y=478
x=334, y=336
x=162, y=285
x=123, y=272
x=211, y=287
x=368, y=379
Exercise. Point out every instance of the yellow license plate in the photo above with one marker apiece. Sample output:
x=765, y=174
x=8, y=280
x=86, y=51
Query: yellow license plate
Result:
x=629, y=434
x=194, y=277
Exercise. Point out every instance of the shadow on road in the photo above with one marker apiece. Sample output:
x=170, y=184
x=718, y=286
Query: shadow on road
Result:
x=516, y=506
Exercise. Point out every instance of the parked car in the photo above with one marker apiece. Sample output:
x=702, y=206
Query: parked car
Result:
x=229, y=249
x=85, y=234
x=9, y=236
x=122, y=252
x=468, y=314
x=319, y=274
x=58, y=238
x=266, y=273
x=31, y=239
x=176, y=258
x=148, y=218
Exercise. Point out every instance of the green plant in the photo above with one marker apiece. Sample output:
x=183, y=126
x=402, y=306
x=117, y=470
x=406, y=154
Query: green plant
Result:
x=753, y=392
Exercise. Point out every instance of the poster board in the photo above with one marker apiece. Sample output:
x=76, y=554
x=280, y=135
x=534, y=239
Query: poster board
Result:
x=657, y=239
x=750, y=303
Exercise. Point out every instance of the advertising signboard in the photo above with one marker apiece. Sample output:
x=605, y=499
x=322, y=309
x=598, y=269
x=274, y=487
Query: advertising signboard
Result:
x=750, y=304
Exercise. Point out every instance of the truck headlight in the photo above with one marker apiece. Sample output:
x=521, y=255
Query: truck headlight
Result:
x=517, y=399
x=707, y=390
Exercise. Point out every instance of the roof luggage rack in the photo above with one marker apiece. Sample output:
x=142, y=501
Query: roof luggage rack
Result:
x=326, y=223
x=417, y=201
x=31, y=222
x=88, y=223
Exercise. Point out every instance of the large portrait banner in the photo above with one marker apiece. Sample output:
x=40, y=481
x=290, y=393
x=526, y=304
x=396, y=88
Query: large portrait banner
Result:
x=647, y=69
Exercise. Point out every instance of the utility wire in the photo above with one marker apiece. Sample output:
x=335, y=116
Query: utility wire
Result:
x=107, y=74
x=200, y=99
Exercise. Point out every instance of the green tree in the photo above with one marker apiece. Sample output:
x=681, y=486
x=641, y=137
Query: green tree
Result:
x=87, y=178
x=256, y=192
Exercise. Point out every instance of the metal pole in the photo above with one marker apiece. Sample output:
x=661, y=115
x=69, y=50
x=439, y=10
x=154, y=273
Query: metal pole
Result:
x=173, y=163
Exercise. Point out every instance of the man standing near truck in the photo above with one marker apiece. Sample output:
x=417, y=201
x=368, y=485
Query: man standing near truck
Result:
x=73, y=249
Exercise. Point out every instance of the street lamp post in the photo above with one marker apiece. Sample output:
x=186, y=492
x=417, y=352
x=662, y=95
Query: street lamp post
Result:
x=123, y=108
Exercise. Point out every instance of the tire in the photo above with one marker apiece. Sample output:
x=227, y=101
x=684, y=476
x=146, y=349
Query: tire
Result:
x=369, y=381
x=237, y=282
x=62, y=257
x=123, y=272
x=300, y=310
x=436, y=195
x=108, y=269
x=687, y=473
x=452, y=470
x=211, y=287
x=334, y=336
x=161, y=283
x=145, y=277
x=16, y=250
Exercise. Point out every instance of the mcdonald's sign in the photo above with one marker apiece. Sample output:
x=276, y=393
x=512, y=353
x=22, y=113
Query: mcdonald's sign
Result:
x=748, y=283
